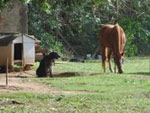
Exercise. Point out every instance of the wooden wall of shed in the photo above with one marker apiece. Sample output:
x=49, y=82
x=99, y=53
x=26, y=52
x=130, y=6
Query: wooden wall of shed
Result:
x=6, y=52
x=28, y=49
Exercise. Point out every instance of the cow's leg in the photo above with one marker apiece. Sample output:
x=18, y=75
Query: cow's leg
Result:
x=122, y=62
x=109, y=59
x=115, y=68
x=103, y=58
x=117, y=59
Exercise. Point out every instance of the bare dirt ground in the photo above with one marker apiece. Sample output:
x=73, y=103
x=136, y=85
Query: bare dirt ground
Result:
x=21, y=82
x=18, y=82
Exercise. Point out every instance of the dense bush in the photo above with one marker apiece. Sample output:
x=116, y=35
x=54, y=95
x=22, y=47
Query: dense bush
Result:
x=74, y=26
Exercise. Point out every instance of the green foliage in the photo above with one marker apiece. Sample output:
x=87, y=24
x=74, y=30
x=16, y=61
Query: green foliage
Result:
x=138, y=36
x=131, y=48
x=3, y=3
x=78, y=22
x=43, y=26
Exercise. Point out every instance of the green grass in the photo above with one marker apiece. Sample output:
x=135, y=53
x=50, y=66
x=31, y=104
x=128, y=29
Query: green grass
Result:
x=109, y=92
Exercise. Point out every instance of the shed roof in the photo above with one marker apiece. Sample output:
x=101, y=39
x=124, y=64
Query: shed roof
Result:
x=7, y=38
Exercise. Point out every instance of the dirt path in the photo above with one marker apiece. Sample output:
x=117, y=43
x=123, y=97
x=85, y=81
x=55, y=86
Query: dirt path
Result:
x=21, y=82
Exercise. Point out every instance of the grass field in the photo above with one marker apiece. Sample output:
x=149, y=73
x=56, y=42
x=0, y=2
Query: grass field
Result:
x=103, y=93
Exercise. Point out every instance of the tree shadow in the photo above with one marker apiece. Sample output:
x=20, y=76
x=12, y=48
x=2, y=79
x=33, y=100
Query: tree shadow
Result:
x=73, y=74
x=12, y=102
x=65, y=74
x=140, y=73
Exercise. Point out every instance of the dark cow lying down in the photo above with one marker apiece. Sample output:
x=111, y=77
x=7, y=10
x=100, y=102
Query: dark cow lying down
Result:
x=45, y=66
x=112, y=41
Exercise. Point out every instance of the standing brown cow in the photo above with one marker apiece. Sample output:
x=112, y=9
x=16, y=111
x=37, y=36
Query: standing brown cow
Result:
x=112, y=41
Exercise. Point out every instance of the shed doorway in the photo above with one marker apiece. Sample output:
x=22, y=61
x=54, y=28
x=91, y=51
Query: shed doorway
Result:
x=18, y=49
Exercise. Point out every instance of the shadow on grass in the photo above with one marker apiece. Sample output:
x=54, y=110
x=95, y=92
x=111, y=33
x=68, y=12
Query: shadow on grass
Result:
x=73, y=74
x=13, y=102
x=65, y=74
x=141, y=73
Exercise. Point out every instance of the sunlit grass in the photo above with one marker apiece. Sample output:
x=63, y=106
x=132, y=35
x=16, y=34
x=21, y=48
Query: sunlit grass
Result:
x=106, y=93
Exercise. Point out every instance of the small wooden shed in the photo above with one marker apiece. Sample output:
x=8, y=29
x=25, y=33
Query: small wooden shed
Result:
x=17, y=48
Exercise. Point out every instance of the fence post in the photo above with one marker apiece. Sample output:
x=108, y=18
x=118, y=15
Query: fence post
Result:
x=7, y=72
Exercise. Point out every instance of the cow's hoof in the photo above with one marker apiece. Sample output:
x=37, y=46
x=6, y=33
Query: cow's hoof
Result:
x=120, y=72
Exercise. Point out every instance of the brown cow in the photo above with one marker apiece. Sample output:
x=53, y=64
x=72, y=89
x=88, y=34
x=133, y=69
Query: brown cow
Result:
x=112, y=41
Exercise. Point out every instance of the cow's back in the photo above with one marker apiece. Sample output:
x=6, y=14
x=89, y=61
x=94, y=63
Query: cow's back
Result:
x=105, y=35
x=112, y=36
x=119, y=38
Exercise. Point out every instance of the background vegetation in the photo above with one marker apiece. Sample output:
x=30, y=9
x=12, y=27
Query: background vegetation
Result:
x=72, y=26
x=79, y=22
